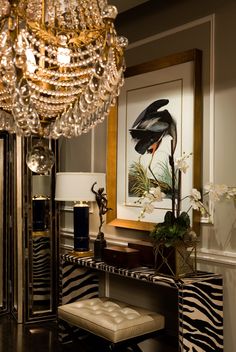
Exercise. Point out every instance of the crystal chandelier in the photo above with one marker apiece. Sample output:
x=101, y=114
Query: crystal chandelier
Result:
x=61, y=66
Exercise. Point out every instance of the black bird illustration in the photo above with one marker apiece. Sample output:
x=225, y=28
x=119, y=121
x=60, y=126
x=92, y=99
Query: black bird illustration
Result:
x=151, y=126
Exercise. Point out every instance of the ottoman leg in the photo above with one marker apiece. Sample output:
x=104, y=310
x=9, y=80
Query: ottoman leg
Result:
x=124, y=348
x=68, y=333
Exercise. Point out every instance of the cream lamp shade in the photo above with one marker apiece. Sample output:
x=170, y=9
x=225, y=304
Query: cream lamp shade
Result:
x=76, y=186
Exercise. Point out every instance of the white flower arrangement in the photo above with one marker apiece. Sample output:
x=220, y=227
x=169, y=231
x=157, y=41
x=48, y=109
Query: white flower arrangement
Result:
x=176, y=223
x=214, y=191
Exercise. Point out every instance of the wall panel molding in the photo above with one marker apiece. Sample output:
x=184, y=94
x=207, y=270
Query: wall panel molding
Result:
x=172, y=31
x=218, y=257
x=203, y=255
x=68, y=234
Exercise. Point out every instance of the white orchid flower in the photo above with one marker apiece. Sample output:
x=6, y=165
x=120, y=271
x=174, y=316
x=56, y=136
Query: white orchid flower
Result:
x=216, y=191
x=150, y=193
x=148, y=208
x=158, y=195
x=195, y=194
x=155, y=194
x=195, y=202
x=181, y=163
x=231, y=193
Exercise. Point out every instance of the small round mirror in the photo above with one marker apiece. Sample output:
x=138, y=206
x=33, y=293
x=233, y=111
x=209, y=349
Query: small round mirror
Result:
x=40, y=159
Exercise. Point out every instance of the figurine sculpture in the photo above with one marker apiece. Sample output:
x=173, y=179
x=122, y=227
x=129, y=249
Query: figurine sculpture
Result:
x=100, y=242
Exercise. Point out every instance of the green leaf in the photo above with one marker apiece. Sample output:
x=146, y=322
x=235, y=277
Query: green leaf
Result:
x=171, y=230
x=169, y=218
x=184, y=220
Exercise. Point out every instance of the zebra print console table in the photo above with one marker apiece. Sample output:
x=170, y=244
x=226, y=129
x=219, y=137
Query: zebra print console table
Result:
x=200, y=298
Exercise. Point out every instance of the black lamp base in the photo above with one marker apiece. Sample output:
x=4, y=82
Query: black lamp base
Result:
x=81, y=227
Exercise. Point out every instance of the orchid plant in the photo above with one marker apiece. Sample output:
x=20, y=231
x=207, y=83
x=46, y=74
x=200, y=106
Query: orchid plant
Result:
x=176, y=225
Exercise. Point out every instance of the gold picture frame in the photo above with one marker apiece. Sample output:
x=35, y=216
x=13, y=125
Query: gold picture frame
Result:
x=194, y=57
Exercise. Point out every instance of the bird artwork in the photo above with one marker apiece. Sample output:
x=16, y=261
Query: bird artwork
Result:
x=151, y=127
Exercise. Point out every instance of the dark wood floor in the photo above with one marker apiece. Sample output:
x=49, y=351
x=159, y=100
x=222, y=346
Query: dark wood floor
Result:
x=43, y=337
x=27, y=338
x=38, y=337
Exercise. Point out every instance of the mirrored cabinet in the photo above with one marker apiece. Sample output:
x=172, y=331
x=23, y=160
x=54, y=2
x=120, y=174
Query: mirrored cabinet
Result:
x=35, y=260
x=40, y=228
x=41, y=246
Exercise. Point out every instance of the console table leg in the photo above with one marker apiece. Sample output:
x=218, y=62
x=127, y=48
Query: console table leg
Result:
x=201, y=316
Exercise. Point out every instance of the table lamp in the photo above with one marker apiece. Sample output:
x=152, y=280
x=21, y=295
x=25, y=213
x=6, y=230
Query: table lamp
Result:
x=76, y=187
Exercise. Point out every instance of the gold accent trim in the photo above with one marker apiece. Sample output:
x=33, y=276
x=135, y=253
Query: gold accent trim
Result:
x=80, y=38
x=40, y=233
x=88, y=253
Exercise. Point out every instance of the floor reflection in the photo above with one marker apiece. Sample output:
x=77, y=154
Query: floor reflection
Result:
x=43, y=337
x=27, y=338
x=40, y=337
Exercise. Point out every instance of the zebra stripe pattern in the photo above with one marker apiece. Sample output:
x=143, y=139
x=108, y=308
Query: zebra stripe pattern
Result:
x=41, y=268
x=200, y=299
x=201, y=316
x=76, y=283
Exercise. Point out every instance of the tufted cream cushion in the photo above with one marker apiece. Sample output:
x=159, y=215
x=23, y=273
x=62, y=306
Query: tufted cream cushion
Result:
x=111, y=319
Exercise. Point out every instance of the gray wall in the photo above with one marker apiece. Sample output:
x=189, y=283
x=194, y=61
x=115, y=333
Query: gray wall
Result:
x=165, y=28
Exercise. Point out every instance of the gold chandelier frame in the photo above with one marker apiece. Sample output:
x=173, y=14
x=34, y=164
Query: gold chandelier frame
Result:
x=61, y=65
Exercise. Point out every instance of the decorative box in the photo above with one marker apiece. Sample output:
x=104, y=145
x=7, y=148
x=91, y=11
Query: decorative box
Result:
x=123, y=257
x=146, y=251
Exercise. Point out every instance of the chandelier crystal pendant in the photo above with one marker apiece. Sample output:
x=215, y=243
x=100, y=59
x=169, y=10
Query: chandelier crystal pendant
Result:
x=61, y=66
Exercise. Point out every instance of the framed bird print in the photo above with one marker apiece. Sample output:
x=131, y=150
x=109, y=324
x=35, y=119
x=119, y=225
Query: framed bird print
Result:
x=159, y=112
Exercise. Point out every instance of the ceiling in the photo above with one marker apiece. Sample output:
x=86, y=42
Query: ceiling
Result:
x=124, y=5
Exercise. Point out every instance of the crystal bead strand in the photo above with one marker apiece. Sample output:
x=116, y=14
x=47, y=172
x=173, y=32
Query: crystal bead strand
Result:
x=4, y=8
x=34, y=10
